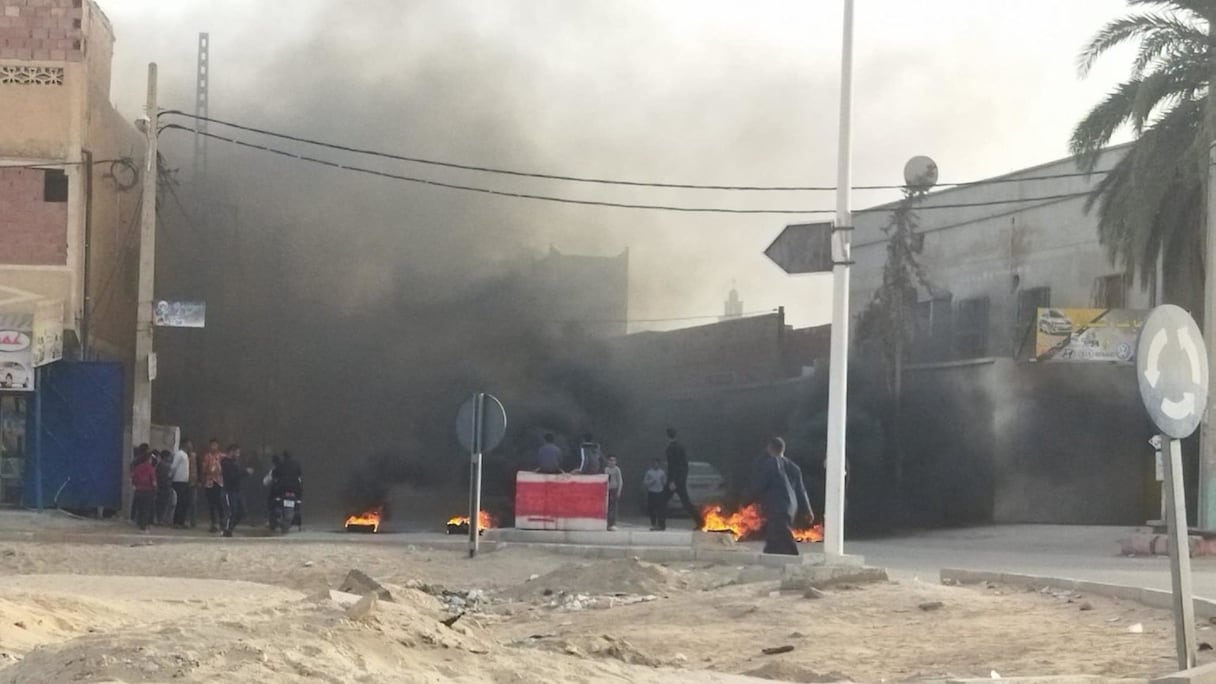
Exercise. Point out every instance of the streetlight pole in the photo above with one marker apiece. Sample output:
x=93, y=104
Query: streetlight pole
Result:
x=838, y=372
x=141, y=405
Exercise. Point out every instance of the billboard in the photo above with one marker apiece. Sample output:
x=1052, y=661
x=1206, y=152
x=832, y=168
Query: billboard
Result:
x=173, y=314
x=1087, y=334
x=16, y=352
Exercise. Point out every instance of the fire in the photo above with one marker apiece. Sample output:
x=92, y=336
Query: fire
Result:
x=748, y=523
x=367, y=519
x=484, y=521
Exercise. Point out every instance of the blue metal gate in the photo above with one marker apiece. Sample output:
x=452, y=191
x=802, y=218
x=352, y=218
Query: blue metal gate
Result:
x=75, y=437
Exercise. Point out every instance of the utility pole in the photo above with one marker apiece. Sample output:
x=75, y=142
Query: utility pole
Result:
x=1207, y=430
x=838, y=371
x=141, y=408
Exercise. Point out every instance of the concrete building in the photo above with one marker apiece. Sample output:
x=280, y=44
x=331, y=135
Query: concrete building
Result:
x=988, y=434
x=69, y=182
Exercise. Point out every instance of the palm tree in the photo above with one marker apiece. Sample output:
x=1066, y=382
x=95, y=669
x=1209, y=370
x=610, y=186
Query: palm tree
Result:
x=1152, y=199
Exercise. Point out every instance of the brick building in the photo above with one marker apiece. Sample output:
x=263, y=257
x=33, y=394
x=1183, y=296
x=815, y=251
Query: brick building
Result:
x=69, y=188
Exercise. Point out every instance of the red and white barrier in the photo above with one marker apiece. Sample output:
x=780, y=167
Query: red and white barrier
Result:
x=561, y=502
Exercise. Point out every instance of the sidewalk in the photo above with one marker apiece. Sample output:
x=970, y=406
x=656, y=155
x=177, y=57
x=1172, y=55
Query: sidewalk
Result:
x=1072, y=551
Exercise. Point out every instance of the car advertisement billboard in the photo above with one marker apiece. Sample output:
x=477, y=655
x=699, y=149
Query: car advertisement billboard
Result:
x=16, y=352
x=1088, y=334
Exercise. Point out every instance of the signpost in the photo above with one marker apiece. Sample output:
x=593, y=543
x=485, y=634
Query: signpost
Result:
x=1172, y=371
x=803, y=248
x=480, y=426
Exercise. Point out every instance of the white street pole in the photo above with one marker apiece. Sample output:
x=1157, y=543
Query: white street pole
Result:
x=141, y=409
x=834, y=496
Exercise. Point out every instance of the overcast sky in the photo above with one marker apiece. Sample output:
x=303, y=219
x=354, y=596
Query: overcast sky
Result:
x=688, y=91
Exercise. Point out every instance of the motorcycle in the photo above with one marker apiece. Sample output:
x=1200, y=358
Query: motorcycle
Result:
x=287, y=511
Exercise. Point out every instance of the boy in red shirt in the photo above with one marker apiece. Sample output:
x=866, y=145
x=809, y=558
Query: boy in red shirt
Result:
x=143, y=480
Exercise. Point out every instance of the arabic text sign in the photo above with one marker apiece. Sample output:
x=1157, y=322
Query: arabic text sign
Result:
x=1088, y=334
x=48, y=332
x=173, y=314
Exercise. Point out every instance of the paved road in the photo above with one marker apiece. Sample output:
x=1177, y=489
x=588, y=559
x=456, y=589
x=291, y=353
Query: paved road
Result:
x=1077, y=552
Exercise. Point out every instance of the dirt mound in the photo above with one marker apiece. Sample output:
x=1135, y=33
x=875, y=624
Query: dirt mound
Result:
x=781, y=671
x=619, y=576
x=607, y=647
x=276, y=639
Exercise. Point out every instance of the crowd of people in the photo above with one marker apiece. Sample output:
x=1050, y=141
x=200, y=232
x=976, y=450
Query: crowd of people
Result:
x=777, y=485
x=169, y=487
x=660, y=485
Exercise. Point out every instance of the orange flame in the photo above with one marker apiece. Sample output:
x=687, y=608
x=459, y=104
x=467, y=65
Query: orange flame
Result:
x=369, y=518
x=484, y=520
x=748, y=522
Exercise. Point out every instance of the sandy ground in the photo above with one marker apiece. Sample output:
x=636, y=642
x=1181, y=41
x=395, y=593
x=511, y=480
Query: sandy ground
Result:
x=260, y=611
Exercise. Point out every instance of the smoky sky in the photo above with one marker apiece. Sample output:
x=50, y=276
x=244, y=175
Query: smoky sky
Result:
x=349, y=315
x=687, y=91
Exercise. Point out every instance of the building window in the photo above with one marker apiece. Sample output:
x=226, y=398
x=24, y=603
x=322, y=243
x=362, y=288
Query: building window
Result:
x=1030, y=301
x=54, y=186
x=11, y=74
x=1110, y=292
x=971, y=328
x=931, y=338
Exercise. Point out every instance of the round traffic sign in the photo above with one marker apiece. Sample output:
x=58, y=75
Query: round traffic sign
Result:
x=1172, y=370
x=493, y=423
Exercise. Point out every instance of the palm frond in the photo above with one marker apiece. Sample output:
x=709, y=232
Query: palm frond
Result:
x=1095, y=131
x=1133, y=27
x=1169, y=47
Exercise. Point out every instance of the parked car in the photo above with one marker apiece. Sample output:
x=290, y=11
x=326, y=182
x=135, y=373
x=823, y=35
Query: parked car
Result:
x=14, y=374
x=1054, y=322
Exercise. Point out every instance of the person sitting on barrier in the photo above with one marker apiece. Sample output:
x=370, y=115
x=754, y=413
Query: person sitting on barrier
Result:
x=549, y=456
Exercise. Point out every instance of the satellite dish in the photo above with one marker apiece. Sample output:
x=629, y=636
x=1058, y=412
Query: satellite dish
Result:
x=920, y=173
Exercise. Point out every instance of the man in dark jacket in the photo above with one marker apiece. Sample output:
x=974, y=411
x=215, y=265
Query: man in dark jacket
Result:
x=677, y=477
x=233, y=475
x=779, y=488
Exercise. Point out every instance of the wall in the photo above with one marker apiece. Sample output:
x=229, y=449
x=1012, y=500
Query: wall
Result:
x=757, y=350
x=1007, y=442
x=997, y=250
x=34, y=230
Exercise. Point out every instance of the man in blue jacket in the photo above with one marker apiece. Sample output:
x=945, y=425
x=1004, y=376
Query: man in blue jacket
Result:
x=779, y=488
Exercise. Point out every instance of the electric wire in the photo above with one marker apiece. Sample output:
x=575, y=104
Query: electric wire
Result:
x=589, y=179
x=595, y=203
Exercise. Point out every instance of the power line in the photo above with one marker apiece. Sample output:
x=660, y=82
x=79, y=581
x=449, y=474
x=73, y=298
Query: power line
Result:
x=590, y=179
x=595, y=203
x=55, y=165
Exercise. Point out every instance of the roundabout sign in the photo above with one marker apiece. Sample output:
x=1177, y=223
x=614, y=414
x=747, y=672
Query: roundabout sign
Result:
x=1172, y=370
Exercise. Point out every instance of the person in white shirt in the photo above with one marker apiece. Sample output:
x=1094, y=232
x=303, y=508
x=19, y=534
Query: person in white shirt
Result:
x=181, y=483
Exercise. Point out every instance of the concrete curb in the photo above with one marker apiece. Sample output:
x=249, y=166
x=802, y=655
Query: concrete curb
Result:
x=1153, y=598
x=676, y=554
x=121, y=539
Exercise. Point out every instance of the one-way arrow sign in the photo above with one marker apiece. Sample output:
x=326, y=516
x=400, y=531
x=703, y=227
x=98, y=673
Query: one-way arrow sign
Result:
x=803, y=248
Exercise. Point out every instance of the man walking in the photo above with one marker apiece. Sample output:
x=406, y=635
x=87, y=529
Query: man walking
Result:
x=233, y=476
x=677, y=477
x=779, y=488
x=180, y=474
x=212, y=477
